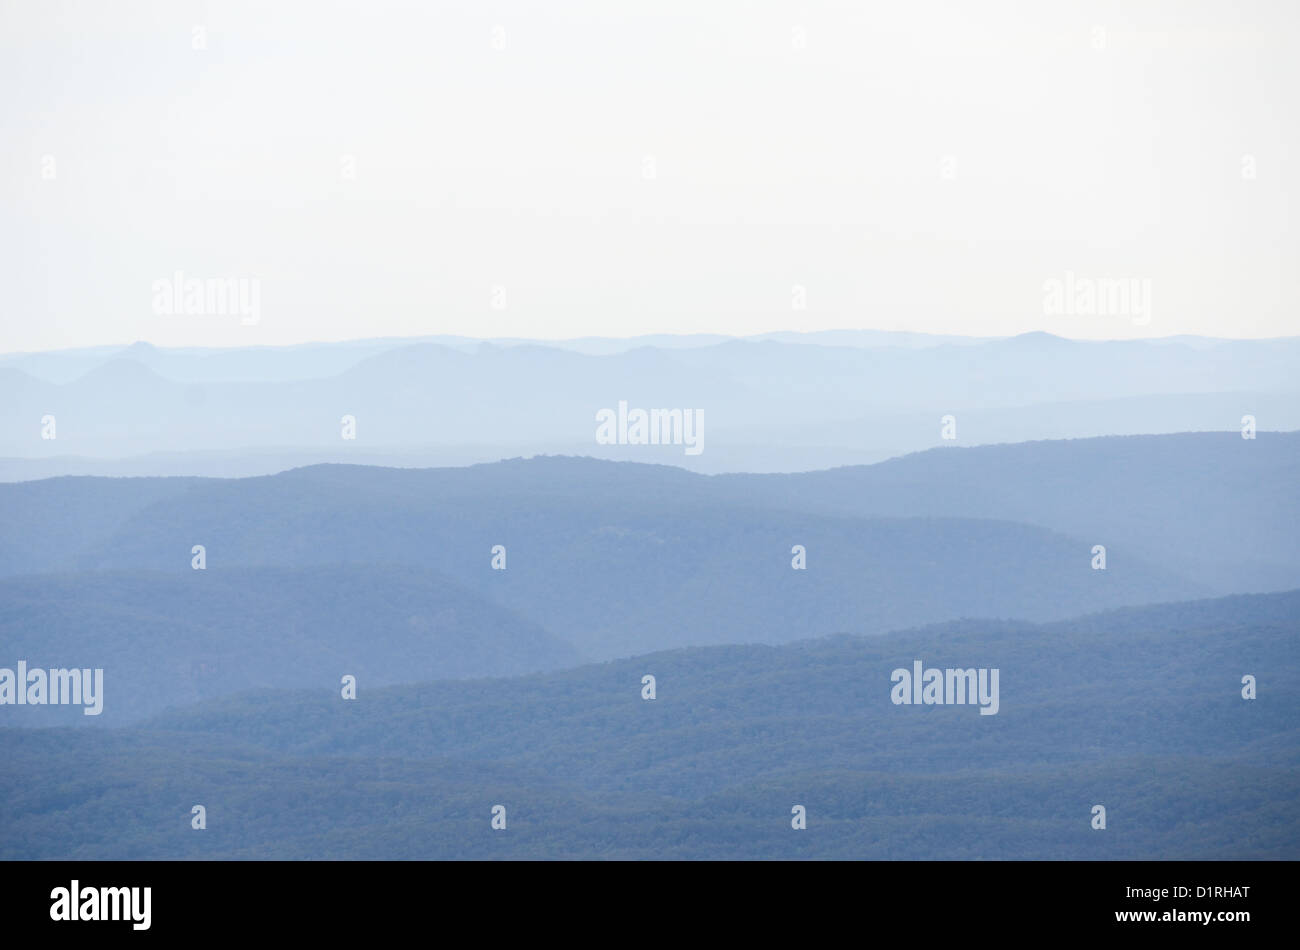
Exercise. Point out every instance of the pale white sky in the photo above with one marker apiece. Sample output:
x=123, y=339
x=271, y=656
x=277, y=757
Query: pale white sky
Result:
x=917, y=166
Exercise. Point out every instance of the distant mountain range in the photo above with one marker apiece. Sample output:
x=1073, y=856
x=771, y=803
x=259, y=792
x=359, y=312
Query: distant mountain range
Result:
x=522, y=687
x=312, y=360
x=607, y=560
x=769, y=404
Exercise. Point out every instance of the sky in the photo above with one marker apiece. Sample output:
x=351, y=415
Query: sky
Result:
x=615, y=169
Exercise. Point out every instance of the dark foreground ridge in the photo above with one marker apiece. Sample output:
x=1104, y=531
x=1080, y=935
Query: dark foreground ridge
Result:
x=1140, y=711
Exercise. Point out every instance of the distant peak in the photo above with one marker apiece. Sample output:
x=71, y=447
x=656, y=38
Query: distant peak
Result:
x=1038, y=336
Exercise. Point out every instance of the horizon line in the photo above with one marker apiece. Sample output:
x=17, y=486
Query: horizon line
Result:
x=718, y=337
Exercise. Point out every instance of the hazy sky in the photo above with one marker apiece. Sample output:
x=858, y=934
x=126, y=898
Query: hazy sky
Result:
x=636, y=167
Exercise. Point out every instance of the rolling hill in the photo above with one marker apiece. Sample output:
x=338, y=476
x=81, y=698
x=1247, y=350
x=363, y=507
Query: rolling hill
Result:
x=1137, y=710
x=167, y=639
